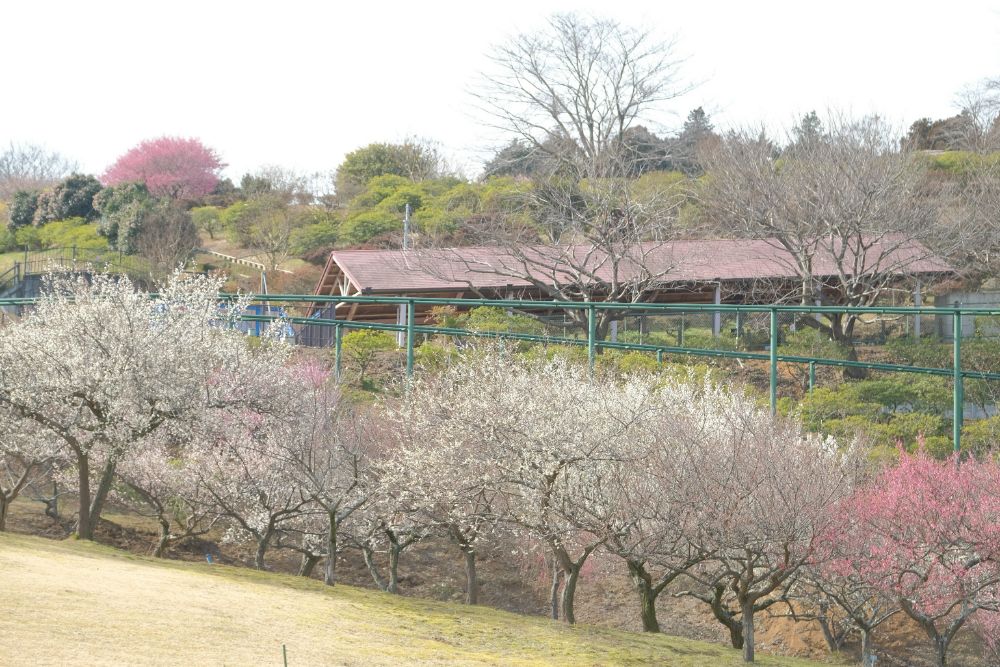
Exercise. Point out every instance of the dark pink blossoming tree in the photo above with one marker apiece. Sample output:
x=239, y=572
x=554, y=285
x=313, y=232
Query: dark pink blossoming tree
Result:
x=927, y=533
x=171, y=167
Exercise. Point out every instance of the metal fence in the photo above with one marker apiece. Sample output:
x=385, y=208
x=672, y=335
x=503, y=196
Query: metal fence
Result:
x=324, y=329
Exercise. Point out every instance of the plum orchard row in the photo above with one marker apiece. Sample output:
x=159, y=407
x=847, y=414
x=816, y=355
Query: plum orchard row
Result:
x=692, y=485
x=409, y=331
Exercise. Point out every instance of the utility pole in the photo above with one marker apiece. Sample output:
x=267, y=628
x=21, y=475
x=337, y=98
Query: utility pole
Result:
x=403, y=337
x=406, y=227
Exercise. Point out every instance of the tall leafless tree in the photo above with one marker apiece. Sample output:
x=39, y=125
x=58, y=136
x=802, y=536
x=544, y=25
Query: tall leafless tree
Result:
x=30, y=167
x=978, y=126
x=849, y=212
x=568, y=93
x=970, y=225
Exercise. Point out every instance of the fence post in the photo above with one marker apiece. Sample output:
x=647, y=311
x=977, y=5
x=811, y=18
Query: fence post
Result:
x=338, y=338
x=410, y=319
x=773, y=350
x=958, y=404
x=812, y=376
x=591, y=336
x=659, y=357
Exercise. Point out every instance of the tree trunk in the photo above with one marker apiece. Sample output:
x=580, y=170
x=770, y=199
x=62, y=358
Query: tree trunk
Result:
x=940, y=652
x=372, y=568
x=393, y=586
x=471, y=581
x=330, y=572
x=748, y=630
x=4, y=504
x=307, y=565
x=52, y=504
x=557, y=577
x=845, y=336
x=647, y=596
x=940, y=641
x=723, y=616
x=163, y=539
x=824, y=625
x=262, y=544
x=569, y=594
x=84, y=528
x=867, y=650
x=852, y=373
x=103, y=488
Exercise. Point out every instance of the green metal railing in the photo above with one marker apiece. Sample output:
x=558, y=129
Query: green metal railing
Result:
x=593, y=344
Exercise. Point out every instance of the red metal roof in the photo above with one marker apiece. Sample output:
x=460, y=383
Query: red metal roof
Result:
x=690, y=261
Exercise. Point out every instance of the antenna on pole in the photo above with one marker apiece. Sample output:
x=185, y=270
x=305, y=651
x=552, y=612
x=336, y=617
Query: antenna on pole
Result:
x=406, y=227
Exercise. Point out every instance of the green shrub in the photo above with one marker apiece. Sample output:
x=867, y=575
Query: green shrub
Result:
x=982, y=436
x=494, y=318
x=28, y=237
x=434, y=356
x=362, y=347
x=702, y=339
x=636, y=362
x=310, y=238
x=72, y=232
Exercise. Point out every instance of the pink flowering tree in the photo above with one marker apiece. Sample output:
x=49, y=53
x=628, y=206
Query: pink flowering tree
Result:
x=171, y=167
x=927, y=533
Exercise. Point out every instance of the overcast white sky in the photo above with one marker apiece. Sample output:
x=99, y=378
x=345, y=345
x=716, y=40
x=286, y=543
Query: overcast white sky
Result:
x=300, y=83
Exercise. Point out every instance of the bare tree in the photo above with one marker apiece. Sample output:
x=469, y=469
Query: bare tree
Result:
x=977, y=128
x=266, y=224
x=30, y=167
x=571, y=90
x=167, y=237
x=298, y=188
x=850, y=213
x=970, y=226
x=569, y=93
x=846, y=603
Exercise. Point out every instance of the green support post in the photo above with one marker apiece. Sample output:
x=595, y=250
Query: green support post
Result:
x=773, y=350
x=958, y=404
x=812, y=376
x=659, y=357
x=410, y=320
x=338, y=339
x=591, y=336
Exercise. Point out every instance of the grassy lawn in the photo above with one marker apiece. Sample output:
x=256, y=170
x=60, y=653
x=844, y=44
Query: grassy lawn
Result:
x=79, y=603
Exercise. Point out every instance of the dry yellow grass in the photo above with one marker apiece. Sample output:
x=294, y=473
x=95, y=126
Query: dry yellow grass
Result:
x=79, y=603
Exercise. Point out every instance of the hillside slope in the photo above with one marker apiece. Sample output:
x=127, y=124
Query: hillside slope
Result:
x=80, y=603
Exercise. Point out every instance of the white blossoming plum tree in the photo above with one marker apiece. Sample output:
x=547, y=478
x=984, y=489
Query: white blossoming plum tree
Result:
x=104, y=369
